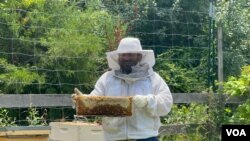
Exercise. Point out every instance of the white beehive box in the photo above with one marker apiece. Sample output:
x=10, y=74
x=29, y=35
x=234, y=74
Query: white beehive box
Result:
x=75, y=131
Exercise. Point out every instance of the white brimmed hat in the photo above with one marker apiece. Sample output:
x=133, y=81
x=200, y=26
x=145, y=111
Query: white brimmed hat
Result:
x=130, y=45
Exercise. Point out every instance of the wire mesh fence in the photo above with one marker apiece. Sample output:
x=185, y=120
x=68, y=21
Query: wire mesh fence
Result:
x=51, y=47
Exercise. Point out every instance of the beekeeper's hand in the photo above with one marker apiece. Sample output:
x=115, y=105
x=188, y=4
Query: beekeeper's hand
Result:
x=140, y=101
x=74, y=96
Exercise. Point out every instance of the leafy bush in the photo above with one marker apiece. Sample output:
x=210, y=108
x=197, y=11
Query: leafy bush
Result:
x=5, y=120
x=239, y=87
x=14, y=79
x=181, y=76
x=33, y=117
x=186, y=114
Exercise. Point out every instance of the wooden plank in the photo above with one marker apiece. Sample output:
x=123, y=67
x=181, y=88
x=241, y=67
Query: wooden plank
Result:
x=174, y=129
x=190, y=98
x=34, y=100
x=25, y=138
x=235, y=99
x=25, y=133
x=24, y=130
x=220, y=58
x=61, y=100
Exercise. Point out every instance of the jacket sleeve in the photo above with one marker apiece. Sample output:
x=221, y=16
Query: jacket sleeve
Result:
x=99, y=89
x=161, y=101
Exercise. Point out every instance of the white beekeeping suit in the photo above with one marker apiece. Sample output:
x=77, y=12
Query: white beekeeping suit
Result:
x=151, y=95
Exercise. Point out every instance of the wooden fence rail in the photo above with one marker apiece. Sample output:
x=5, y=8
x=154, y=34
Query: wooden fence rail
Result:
x=64, y=100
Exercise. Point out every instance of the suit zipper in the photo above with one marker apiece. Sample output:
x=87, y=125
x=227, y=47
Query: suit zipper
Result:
x=126, y=117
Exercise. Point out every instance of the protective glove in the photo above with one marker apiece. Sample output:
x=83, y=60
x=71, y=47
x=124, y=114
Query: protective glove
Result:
x=74, y=95
x=140, y=101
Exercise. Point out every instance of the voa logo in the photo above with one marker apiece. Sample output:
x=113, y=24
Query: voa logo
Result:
x=236, y=132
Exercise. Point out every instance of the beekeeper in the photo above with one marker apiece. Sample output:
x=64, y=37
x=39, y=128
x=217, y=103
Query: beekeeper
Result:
x=132, y=75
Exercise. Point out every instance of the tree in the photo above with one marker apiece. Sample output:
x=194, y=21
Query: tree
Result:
x=182, y=74
x=56, y=39
x=233, y=17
